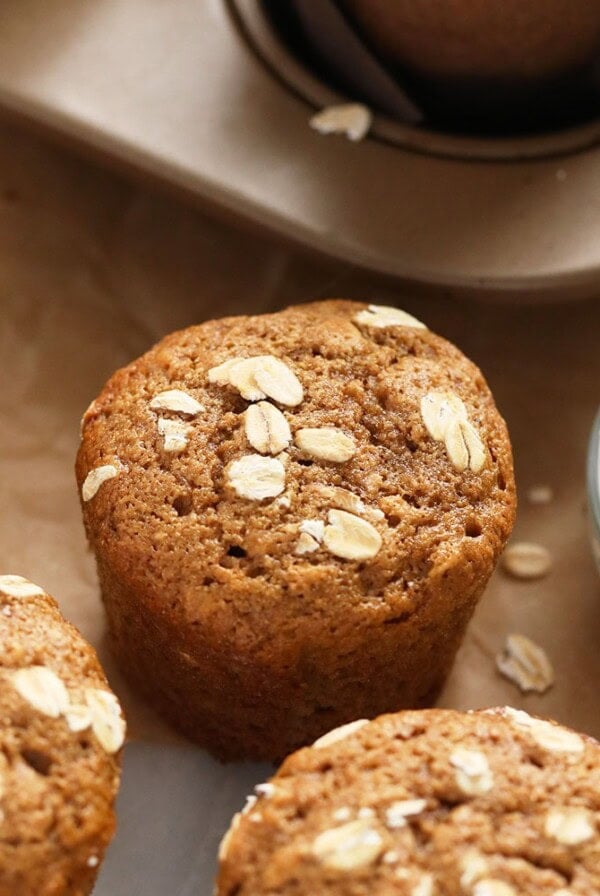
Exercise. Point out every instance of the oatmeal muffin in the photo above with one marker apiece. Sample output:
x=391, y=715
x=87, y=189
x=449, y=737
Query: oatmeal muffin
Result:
x=61, y=732
x=492, y=40
x=294, y=516
x=425, y=803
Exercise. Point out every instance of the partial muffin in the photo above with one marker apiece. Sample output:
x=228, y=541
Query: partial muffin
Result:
x=294, y=516
x=61, y=731
x=488, y=39
x=425, y=803
x=502, y=66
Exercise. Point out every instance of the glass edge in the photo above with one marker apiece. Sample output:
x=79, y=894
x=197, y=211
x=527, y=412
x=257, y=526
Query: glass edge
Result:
x=593, y=475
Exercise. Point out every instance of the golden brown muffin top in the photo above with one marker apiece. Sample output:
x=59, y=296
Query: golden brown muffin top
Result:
x=244, y=466
x=61, y=730
x=429, y=803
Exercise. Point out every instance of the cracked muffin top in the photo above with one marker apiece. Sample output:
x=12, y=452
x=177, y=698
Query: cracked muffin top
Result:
x=60, y=736
x=425, y=803
x=246, y=460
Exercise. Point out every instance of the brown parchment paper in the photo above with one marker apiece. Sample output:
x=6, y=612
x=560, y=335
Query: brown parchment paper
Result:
x=93, y=270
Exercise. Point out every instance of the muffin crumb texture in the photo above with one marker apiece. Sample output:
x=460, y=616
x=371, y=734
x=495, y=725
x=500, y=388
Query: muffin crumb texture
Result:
x=293, y=516
x=62, y=730
x=428, y=803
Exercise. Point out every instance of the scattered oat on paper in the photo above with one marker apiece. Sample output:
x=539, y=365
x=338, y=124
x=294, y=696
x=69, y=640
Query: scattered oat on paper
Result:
x=352, y=119
x=526, y=664
x=527, y=560
x=540, y=495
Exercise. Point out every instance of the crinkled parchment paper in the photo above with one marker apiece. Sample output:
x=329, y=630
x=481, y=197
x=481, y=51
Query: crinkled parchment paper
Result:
x=93, y=270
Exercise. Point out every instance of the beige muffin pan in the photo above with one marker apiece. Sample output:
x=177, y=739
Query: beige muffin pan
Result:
x=204, y=96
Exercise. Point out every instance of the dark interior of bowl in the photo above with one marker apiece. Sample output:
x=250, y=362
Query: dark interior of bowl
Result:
x=471, y=107
x=494, y=108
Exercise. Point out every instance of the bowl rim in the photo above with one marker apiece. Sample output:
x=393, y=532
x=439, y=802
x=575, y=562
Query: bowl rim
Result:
x=254, y=22
x=593, y=474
